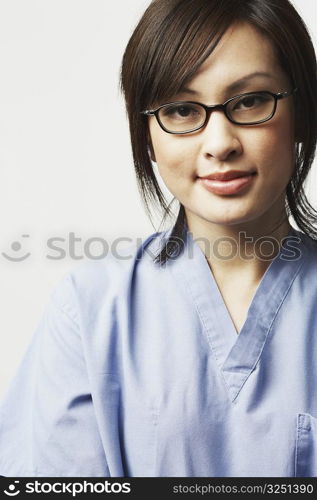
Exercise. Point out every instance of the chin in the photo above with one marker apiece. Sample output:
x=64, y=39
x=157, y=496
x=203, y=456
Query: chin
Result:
x=231, y=218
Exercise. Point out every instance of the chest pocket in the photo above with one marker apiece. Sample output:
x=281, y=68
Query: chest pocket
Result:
x=306, y=446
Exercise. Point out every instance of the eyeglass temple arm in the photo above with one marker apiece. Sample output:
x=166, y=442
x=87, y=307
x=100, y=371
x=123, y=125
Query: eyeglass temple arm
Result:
x=286, y=94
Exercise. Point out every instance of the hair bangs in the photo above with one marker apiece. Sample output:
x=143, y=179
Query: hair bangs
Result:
x=184, y=41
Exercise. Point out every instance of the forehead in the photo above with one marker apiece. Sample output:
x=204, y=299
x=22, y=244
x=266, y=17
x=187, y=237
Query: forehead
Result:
x=242, y=50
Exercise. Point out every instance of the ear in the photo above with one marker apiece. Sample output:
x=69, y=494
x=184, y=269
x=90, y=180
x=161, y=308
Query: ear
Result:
x=151, y=152
x=150, y=147
x=299, y=120
x=298, y=134
x=298, y=128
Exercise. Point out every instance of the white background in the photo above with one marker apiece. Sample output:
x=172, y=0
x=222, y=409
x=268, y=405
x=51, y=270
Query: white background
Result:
x=65, y=167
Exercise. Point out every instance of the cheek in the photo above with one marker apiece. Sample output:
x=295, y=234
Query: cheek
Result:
x=175, y=163
x=175, y=157
x=273, y=151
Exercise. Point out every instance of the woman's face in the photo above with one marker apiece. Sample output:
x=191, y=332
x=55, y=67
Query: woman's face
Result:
x=265, y=149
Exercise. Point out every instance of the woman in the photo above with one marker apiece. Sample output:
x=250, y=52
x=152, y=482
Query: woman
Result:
x=194, y=355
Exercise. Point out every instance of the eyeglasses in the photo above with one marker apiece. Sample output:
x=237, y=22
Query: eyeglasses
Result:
x=251, y=108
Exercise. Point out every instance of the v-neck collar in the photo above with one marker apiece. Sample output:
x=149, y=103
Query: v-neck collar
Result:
x=237, y=354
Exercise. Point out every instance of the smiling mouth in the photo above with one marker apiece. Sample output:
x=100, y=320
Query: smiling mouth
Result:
x=229, y=186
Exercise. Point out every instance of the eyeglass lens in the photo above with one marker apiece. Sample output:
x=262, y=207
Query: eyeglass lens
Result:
x=185, y=116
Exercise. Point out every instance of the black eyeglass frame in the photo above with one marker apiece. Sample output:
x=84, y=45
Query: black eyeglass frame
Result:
x=221, y=107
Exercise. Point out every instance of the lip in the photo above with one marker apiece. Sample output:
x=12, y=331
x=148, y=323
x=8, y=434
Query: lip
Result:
x=226, y=183
x=227, y=176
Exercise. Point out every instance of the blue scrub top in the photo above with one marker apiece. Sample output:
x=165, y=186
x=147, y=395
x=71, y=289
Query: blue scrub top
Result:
x=137, y=370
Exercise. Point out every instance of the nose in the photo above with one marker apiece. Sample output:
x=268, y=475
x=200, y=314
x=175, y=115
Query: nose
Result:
x=220, y=137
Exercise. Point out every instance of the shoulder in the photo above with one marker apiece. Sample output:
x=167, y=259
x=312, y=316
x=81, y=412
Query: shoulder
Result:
x=306, y=245
x=95, y=281
x=302, y=248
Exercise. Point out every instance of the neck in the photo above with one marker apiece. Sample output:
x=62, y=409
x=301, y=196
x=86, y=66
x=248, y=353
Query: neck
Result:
x=236, y=249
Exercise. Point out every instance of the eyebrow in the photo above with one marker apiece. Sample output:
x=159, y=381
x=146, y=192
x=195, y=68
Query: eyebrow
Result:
x=237, y=85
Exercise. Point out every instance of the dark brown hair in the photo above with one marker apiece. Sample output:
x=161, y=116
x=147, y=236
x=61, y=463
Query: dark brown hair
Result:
x=170, y=42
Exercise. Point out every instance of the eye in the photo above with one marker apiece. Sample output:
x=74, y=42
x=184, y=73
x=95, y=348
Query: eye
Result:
x=181, y=111
x=250, y=102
